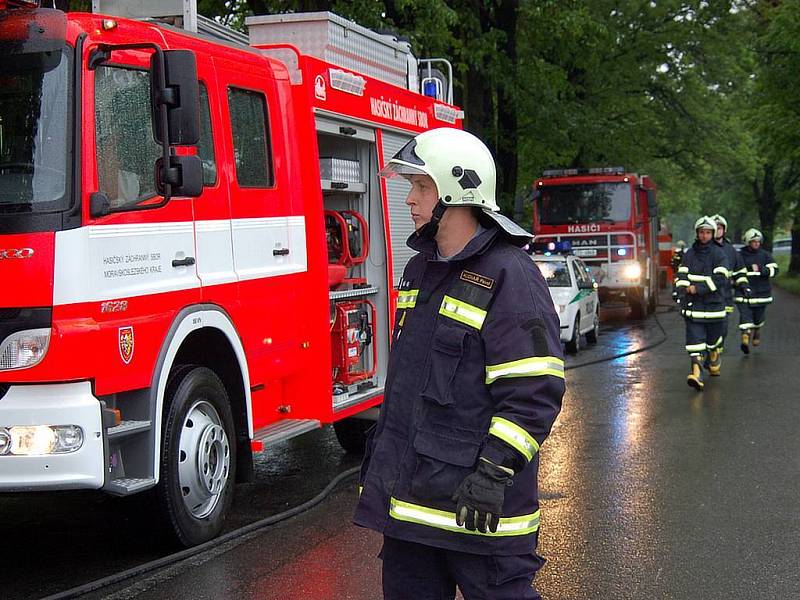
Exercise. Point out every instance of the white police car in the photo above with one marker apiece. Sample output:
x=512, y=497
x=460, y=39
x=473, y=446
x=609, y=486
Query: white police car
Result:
x=574, y=295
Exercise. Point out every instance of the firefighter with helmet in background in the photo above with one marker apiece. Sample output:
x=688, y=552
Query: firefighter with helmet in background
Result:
x=474, y=384
x=737, y=277
x=701, y=279
x=760, y=268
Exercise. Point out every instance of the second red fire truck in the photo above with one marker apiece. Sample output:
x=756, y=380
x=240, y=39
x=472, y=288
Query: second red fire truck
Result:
x=192, y=271
x=610, y=216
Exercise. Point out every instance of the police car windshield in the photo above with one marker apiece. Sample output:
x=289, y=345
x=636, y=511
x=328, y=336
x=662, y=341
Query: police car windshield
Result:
x=584, y=203
x=555, y=272
x=35, y=111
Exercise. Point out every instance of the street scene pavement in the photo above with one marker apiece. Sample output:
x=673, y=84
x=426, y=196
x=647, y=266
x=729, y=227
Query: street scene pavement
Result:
x=649, y=490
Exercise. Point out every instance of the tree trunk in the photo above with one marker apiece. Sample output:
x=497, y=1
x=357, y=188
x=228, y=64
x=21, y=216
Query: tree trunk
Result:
x=768, y=204
x=794, y=263
x=508, y=119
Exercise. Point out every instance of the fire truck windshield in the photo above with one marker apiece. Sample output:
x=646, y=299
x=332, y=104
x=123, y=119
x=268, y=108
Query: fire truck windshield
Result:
x=35, y=115
x=584, y=203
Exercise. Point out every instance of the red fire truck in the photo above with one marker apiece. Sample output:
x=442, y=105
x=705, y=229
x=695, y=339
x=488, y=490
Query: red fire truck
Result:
x=610, y=217
x=191, y=272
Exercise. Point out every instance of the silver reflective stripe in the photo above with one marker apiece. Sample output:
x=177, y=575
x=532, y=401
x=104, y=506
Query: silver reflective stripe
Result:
x=407, y=298
x=515, y=436
x=716, y=344
x=440, y=519
x=746, y=326
x=695, y=347
x=526, y=367
x=683, y=269
x=742, y=300
x=682, y=283
x=699, y=314
x=462, y=312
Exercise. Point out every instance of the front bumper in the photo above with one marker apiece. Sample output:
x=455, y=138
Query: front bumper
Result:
x=54, y=404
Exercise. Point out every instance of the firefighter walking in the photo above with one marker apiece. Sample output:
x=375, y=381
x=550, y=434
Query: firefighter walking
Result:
x=737, y=276
x=760, y=268
x=475, y=381
x=701, y=279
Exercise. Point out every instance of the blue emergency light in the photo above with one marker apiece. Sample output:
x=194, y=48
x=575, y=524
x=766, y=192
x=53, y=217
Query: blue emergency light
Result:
x=548, y=248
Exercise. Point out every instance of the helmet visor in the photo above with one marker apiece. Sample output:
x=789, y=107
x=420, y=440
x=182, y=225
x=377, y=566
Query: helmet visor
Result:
x=395, y=167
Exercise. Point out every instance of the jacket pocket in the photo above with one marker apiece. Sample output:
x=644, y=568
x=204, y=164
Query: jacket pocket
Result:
x=447, y=349
x=444, y=459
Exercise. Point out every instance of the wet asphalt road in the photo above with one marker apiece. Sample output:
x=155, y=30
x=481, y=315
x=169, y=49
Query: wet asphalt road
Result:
x=650, y=490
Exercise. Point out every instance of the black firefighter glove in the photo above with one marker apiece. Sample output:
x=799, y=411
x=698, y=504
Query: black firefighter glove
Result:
x=479, y=498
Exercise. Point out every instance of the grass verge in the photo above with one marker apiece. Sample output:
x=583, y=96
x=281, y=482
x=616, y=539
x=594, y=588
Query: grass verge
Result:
x=790, y=283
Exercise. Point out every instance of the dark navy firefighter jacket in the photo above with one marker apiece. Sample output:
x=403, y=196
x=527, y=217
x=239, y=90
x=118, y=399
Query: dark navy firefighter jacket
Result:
x=706, y=267
x=476, y=369
x=737, y=271
x=758, y=279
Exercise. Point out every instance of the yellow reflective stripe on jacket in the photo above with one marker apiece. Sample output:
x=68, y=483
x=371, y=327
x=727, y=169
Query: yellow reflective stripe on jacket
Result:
x=440, y=519
x=515, y=436
x=728, y=309
x=722, y=270
x=407, y=298
x=703, y=279
x=741, y=300
x=462, y=312
x=526, y=367
x=682, y=283
x=683, y=269
x=773, y=268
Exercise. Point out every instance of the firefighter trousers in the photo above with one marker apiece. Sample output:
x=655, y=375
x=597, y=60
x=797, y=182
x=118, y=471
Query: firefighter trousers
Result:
x=751, y=316
x=702, y=335
x=414, y=571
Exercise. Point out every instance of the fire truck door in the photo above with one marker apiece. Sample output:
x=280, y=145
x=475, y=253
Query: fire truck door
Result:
x=269, y=255
x=212, y=209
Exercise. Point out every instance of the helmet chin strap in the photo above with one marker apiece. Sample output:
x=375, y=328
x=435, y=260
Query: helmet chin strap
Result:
x=430, y=228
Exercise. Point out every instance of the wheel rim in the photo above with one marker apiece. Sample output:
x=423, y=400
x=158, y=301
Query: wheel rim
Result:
x=203, y=459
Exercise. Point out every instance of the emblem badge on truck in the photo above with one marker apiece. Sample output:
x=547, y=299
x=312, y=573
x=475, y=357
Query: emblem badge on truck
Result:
x=126, y=343
x=9, y=253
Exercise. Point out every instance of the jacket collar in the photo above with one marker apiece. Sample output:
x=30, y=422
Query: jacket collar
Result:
x=477, y=245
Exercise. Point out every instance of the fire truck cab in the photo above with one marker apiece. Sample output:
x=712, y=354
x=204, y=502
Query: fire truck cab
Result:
x=197, y=255
x=610, y=217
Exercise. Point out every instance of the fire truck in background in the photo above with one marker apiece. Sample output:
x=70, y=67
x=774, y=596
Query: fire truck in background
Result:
x=197, y=255
x=610, y=217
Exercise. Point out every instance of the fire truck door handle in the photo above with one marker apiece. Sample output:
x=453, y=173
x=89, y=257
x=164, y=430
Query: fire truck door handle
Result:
x=280, y=252
x=183, y=262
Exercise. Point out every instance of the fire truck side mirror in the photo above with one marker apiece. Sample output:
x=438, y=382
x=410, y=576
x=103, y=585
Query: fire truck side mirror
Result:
x=184, y=175
x=181, y=95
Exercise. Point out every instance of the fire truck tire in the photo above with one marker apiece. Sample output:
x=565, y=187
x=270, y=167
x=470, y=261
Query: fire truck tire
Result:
x=574, y=344
x=638, y=304
x=198, y=456
x=592, y=335
x=352, y=434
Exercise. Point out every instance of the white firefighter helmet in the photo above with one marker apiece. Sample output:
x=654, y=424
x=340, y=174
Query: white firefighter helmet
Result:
x=463, y=170
x=752, y=234
x=460, y=165
x=705, y=222
x=720, y=220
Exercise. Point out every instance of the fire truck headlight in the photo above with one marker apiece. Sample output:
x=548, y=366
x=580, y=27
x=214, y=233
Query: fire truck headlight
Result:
x=632, y=271
x=40, y=440
x=24, y=348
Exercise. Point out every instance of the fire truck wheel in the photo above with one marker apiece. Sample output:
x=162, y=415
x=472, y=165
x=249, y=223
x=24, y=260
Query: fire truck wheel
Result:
x=574, y=343
x=352, y=434
x=591, y=336
x=198, y=457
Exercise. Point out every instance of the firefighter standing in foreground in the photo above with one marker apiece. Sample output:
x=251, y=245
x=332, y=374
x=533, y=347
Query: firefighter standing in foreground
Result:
x=737, y=277
x=759, y=269
x=475, y=381
x=701, y=279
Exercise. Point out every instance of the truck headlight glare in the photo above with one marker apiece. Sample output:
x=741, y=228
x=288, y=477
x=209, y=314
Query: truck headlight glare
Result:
x=24, y=348
x=40, y=440
x=632, y=271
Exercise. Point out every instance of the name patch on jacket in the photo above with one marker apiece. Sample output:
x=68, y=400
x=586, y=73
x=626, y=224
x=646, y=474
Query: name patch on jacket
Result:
x=477, y=279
